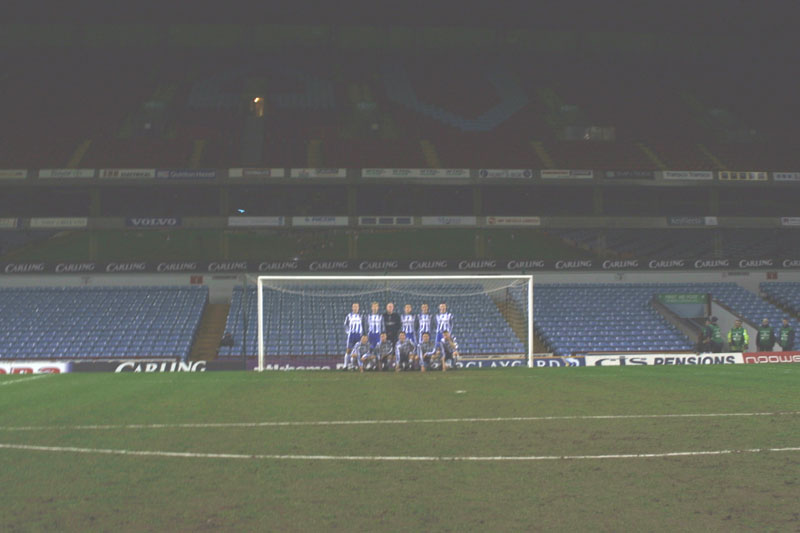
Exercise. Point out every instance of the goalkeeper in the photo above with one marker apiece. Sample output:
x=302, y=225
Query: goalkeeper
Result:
x=384, y=351
x=428, y=352
x=405, y=353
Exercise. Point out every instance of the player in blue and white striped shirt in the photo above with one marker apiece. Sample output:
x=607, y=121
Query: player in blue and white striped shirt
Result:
x=424, y=320
x=375, y=325
x=408, y=323
x=354, y=329
x=444, y=322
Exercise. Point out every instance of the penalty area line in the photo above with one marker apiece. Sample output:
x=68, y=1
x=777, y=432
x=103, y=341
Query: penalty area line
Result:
x=382, y=458
x=211, y=425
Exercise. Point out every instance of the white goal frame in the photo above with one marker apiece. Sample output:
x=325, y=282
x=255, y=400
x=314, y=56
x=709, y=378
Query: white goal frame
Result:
x=295, y=278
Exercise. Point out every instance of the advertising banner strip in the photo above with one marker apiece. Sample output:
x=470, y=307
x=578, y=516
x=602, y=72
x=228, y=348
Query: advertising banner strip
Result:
x=692, y=221
x=256, y=173
x=385, y=221
x=127, y=173
x=404, y=265
x=254, y=222
x=790, y=221
x=462, y=173
x=449, y=221
x=13, y=174
x=8, y=223
x=66, y=173
x=153, y=222
x=771, y=357
x=682, y=298
x=629, y=174
x=318, y=173
x=566, y=174
x=548, y=362
x=186, y=173
x=786, y=176
x=319, y=221
x=693, y=175
x=659, y=359
x=35, y=367
x=63, y=223
x=515, y=173
x=513, y=221
x=742, y=175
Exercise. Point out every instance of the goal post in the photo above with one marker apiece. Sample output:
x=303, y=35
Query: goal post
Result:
x=303, y=315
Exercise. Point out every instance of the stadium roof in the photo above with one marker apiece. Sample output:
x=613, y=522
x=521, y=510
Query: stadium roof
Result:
x=747, y=18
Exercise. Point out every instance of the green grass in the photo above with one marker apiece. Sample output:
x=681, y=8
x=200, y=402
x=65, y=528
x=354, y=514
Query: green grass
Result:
x=46, y=490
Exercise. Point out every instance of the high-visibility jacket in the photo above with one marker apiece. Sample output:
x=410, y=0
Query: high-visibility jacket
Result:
x=738, y=339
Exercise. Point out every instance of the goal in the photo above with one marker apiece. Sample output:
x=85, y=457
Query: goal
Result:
x=301, y=319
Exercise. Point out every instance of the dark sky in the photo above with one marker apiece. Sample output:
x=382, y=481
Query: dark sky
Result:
x=751, y=17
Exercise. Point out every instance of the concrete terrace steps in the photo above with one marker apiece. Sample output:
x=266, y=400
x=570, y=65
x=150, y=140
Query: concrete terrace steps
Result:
x=209, y=333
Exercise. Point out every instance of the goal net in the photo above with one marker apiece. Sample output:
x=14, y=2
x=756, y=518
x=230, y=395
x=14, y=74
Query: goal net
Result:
x=302, y=319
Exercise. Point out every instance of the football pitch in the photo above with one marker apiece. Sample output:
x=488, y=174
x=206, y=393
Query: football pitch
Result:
x=603, y=449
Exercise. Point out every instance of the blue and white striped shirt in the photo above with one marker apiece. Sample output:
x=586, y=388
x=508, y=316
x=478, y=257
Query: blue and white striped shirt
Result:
x=375, y=322
x=408, y=324
x=424, y=323
x=444, y=322
x=354, y=323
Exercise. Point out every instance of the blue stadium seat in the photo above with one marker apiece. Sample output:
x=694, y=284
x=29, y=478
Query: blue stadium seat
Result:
x=98, y=322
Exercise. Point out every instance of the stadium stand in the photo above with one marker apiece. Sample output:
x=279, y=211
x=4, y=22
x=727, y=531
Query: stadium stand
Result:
x=651, y=243
x=684, y=243
x=99, y=322
x=574, y=318
x=784, y=294
x=477, y=110
x=750, y=306
x=11, y=241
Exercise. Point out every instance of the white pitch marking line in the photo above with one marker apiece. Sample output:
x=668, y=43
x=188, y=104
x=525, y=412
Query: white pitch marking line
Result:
x=383, y=458
x=208, y=425
x=20, y=380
